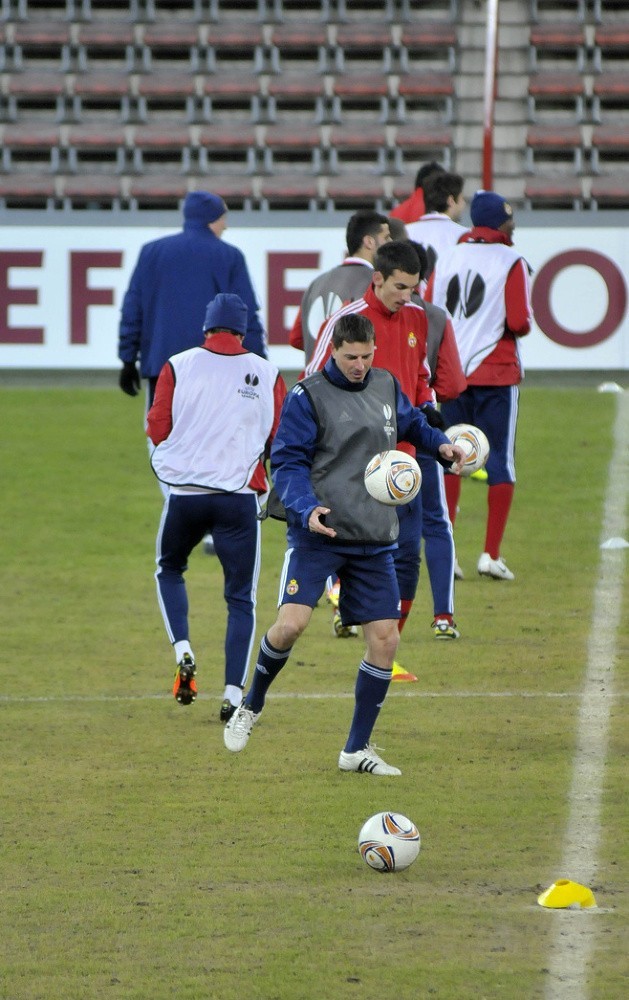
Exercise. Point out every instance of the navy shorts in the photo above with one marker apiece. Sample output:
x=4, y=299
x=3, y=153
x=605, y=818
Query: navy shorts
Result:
x=493, y=408
x=369, y=588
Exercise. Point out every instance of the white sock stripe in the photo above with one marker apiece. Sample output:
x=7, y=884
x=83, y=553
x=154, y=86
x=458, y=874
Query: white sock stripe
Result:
x=273, y=654
x=378, y=672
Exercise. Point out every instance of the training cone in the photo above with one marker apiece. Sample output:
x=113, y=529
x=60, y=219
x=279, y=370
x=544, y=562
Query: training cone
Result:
x=564, y=893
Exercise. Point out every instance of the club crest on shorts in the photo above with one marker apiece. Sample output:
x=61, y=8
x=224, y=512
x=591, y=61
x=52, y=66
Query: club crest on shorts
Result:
x=292, y=587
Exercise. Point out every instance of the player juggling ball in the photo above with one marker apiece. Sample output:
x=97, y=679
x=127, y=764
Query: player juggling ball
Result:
x=331, y=425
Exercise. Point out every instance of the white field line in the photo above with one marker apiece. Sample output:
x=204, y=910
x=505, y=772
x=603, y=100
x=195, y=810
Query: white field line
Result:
x=8, y=699
x=574, y=939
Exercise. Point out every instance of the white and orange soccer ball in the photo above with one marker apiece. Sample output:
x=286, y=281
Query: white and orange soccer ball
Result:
x=393, y=478
x=473, y=442
x=389, y=842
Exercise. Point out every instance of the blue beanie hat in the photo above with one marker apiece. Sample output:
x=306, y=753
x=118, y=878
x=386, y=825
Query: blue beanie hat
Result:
x=201, y=206
x=226, y=312
x=490, y=209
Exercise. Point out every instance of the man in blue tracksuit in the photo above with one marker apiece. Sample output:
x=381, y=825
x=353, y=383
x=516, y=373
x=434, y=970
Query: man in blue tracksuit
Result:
x=174, y=279
x=332, y=424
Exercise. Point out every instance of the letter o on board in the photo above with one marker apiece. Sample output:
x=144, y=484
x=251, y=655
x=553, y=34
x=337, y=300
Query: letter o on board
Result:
x=616, y=291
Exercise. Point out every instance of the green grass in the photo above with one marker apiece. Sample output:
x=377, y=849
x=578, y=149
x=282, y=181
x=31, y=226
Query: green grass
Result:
x=141, y=860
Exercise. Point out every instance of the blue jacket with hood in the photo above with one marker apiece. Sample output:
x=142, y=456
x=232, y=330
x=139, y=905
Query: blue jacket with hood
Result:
x=174, y=279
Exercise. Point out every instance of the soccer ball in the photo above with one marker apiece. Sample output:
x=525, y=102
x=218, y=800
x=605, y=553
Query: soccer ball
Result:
x=473, y=442
x=393, y=478
x=389, y=842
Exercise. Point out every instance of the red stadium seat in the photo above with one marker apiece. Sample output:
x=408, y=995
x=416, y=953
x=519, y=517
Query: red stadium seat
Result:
x=289, y=191
x=364, y=46
x=27, y=190
x=366, y=93
x=557, y=41
x=292, y=145
x=425, y=92
x=417, y=141
x=610, y=96
x=354, y=190
x=554, y=144
x=98, y=191
x=224, y=147
x=296, y=95
x=167, y=91
x=172, y=44
x=103, y=45
x=358, y=143
x=97, y=145
x=37, y=92
x=611, y=45
x=165, y=146
x=43, y=43
x=553, y=192
x=229, y=94
x=610, y=192
x=165, y=191
x=235, y=45
x=610, y=146
x=299, y=46
x=33, y=143
x=427, y=43
x=554, y=93
x=99, y=92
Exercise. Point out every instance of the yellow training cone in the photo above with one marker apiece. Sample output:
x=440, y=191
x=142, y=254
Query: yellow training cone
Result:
x=564, y=893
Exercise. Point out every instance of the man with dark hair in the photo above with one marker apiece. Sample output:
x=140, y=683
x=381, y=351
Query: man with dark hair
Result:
x=438, y=228
x=215, y=411
x=366, y=231
x=401, y=326
x=412, y=207
x=483, y=282
x=336, y=527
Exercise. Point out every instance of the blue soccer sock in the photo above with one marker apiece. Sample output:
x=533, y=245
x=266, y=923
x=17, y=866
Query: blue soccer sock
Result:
x=371, y=689
x=270, y=662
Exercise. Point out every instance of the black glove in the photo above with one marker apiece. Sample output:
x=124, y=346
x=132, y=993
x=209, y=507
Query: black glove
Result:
x=129, y=380
x=433, y=416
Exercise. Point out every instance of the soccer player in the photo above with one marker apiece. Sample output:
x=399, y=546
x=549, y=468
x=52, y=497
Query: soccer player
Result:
x=401, y=325
x=484, y=284
x=412, y=208
x=438, y=229
x=332, y=423
x=215, y=411
x=366, y=231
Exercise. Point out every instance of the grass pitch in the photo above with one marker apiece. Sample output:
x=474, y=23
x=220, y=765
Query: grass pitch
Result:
x=141, y=860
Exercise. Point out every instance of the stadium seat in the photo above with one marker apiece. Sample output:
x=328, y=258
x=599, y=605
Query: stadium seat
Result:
x=556, y=42
x=552, y=145
x=96, y=146
x=299, y=46
x=605, y=10
x=416, y=141
x=415, y=10
x=554, y=94
x=92, y=191
x=295, y=95
x=18, y=190
x=38, y=92
x=550, y=191
x=227, y=147
x=427, y=43
x=104, y=94
x=170, y=44
x=165, y=191
x=610, y=146
x=192, y=10
x=167, y=92
x=611, y=46
x=287, y=190
x=610, y=96
x=88, y=10
x=237, y=191
x=237, y=45
x=366, y=93
x=166, y=146
x=34, y=144
x=292, y=145
x=225, y=95
x=42, y=44
x=366, y=46
x=358, y=143
x=105, y=45
x=353, y=190
x=610, y=191
x=425, y=93
x=299, y=11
